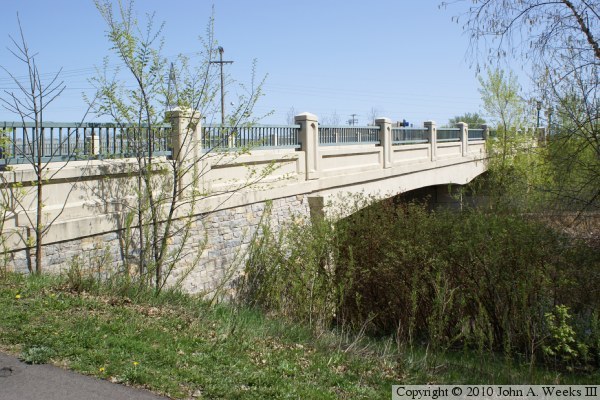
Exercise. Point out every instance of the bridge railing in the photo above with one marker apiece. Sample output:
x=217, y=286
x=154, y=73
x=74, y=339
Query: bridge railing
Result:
x=402, y=135
x=476, y=134
x=220, y=137
x=19, y=142
x=59, y=141
x=342, y=135
x=448, y=135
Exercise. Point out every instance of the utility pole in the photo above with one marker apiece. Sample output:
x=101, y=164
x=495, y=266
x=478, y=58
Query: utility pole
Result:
x=352, y=121
x=221, y=62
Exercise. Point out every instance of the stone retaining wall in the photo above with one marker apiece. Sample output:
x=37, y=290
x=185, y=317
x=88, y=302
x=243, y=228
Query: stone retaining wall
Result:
x=223, y=238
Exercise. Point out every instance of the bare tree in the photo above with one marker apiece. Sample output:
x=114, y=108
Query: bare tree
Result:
x=29, y=102
x=289, y=117
x=374, y=113
x=332, y=119
x=535, y=30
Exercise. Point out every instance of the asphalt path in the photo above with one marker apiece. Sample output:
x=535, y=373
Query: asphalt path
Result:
x=20, y=381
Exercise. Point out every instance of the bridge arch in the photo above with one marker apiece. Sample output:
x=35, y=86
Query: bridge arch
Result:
x=337, y=202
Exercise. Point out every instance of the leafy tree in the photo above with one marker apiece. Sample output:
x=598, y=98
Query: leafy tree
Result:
x=473, y=119
x=501, y=99
x=558, y=41
x=162, y=213
x=513, y=166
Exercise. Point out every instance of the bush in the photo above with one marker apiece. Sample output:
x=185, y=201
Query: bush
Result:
x=468, y=278
x=292, y=272
x=562, y=345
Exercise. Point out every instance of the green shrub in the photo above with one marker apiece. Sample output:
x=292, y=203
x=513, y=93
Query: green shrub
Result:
x=292, y=272
x=563, y=347
x=451, y=279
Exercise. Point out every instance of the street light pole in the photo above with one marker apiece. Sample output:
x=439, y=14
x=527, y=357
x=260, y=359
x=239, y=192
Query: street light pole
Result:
x=221, y=62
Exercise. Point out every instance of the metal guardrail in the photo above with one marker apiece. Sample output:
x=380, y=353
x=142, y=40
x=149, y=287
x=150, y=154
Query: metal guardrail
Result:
x=476, y=134
x=19, y=142
x=448, y=135
x=340, y=135
x=273, y=136
x=409, y=135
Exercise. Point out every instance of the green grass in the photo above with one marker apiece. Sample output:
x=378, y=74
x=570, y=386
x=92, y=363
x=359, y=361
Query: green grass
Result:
x=178, y=345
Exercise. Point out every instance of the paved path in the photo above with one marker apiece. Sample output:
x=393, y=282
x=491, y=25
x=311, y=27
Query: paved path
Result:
x=20, y=381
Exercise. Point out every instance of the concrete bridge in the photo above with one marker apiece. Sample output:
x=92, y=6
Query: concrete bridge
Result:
x=304, y=169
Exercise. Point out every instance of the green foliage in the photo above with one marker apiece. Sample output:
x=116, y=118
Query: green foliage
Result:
x=563, y=346
x=161, y=219
x=593, y=340
x=446, y=278
x=37, y=355
x=474, y=120
x=559, y=44
x=573, y=169
x=518, y=173
x=179, y=345
x=87, y=271
x=292, y=271
x=501, y=99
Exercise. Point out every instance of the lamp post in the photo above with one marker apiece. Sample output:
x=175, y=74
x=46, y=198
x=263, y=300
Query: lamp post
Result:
x=539, y=108
x=550, y=111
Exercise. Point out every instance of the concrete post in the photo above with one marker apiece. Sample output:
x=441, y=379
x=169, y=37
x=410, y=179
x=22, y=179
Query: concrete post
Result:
x=486, y=131
x=464, y=137
x=432, y=130
x=186, y=143
x=93, y=144
x=385, y=140
x=309, y=140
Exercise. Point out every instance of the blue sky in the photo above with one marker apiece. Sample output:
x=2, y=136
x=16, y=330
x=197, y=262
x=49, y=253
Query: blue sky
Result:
x=405, y=58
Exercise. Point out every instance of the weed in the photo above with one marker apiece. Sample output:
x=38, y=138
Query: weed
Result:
x=37, y=355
